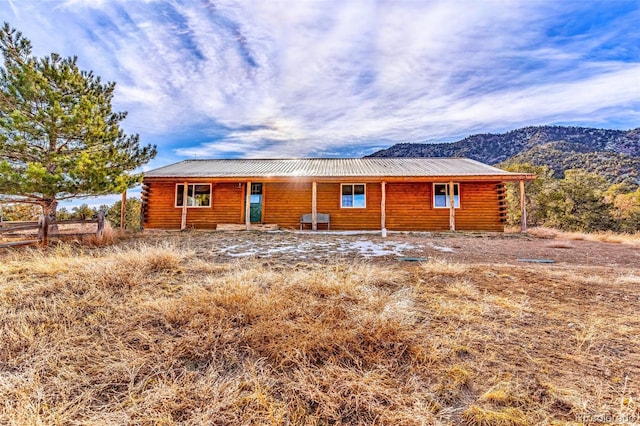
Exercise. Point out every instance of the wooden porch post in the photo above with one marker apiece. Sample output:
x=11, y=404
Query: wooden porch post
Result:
x=523, y=208
x=247, y=207
x=314, y=206
x=183, y=224
x=123, y=209
x=383, y=209
x=452, y=207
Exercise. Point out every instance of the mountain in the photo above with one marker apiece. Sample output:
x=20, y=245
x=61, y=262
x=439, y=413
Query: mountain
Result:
x=612, y=153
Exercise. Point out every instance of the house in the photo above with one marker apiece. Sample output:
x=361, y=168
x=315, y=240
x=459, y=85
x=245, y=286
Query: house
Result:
x=408, y=194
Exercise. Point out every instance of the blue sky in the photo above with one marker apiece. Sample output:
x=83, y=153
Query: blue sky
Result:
x=302, y=78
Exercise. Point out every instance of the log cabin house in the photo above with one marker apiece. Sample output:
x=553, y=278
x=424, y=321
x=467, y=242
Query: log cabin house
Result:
x=404, y=194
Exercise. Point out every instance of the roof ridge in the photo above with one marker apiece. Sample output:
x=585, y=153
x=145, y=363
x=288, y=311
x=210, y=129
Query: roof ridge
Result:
x=330, y=167
x=327, y=158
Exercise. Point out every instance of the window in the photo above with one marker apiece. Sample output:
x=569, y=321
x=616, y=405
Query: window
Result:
x=353, y=195
x=198, y=195
x=441, y=195
x=256, y=193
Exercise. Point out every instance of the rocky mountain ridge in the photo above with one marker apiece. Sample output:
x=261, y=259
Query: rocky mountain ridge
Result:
x=612, y=153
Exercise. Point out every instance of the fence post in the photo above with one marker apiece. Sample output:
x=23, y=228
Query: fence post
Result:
x=43, y=230
x=100, y=224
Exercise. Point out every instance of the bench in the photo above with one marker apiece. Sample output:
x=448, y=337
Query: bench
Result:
x=307, y=219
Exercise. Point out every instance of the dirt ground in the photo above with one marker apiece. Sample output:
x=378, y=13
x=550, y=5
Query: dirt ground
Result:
x=462, y=247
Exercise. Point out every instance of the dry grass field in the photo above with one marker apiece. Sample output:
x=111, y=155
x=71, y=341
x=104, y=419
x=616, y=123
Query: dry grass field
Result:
x=163, y=329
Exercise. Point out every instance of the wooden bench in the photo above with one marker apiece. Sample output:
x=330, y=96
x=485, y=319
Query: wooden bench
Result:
x=307, y=219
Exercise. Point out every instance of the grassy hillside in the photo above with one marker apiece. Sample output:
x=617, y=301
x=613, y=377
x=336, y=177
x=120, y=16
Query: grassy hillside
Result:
x=162, y=334
x=614, y=153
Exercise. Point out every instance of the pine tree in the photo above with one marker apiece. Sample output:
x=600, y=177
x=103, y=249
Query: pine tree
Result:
x=626, y=206
x=535, y=191
x=132, y=214
x=578, y=203
x=59, y=137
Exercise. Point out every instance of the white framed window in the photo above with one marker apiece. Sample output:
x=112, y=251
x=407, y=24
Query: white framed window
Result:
x=198, y=195
x=353, y=195
x=442, y=196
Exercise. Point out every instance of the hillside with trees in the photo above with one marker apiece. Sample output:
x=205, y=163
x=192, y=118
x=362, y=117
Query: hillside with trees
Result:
x=588, y=179
x=613, y=154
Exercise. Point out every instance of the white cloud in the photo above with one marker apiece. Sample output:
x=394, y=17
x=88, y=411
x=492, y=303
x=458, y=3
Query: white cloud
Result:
x=296, y=78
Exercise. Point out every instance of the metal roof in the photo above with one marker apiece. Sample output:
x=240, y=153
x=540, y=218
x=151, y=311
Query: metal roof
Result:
x=329, y=167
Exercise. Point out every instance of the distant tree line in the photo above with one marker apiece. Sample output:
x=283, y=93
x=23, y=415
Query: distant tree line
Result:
x=580, y=201
x=21, y=211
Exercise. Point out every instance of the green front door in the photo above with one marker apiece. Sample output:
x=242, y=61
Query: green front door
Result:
x=255, y=208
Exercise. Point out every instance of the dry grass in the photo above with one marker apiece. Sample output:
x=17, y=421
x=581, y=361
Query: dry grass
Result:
x=607, y=237
x=159, y=334
x=443, y=267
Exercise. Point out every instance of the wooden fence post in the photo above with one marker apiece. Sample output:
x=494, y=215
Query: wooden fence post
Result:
x=43, y=230
x=100, y=231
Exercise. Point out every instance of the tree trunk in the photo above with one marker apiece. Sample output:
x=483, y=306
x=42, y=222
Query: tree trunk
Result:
x=49, y=209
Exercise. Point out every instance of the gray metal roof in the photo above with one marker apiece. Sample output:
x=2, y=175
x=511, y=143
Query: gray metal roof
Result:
x=329, y=167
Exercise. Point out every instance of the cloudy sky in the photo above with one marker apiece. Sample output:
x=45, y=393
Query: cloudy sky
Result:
x=255, y=78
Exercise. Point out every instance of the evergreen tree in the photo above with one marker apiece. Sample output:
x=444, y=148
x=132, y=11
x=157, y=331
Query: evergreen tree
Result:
x=19, y=212
x=581, y=201
x=83, y=211
x=626, y=206
x=59, y=137
x=63, y=214
x=132, y=214
x=578, y=203
x=536, y=193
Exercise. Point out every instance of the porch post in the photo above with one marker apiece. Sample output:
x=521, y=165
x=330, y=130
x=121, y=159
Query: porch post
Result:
x=383, y=209
x=452, y=207
x=185, y=192
x=247, y=207
x=523, y=208
x=314, y=206
x=123, y=209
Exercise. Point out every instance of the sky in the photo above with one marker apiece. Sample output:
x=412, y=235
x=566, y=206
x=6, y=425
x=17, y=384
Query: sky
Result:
x=304, y=78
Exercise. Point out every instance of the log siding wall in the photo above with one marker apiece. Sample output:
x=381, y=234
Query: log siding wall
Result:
x=480, y=208
x=227, y=201
x=350, y=218
x=285, y=202
x=410, y=208
x=409, y=205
